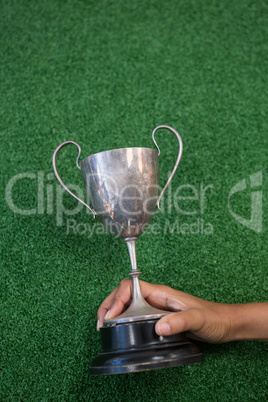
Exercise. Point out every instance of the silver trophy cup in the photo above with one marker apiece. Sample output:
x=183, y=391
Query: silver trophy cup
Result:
x=123, y=185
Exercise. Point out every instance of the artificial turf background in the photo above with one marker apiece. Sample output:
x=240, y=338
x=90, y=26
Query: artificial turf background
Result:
x=104, y=74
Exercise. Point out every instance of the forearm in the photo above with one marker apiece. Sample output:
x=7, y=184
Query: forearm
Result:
x=249, y=321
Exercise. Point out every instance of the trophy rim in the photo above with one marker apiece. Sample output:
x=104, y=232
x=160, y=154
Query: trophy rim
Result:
x=118, y=149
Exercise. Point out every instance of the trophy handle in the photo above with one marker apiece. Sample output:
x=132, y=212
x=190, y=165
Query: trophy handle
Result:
x=54, y=158
x=177, y=161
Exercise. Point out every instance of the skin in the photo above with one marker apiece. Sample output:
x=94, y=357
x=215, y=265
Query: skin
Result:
x=202, y=320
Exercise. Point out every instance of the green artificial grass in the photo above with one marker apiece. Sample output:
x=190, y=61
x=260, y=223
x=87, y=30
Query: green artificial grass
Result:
x=104, y=74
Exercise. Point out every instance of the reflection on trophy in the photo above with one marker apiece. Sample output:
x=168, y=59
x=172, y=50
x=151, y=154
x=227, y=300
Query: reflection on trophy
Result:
x=122, y=185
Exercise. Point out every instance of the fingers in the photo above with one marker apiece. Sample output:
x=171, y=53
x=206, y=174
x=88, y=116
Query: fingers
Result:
x=189, y=320
x=158, y=296
x=104, y=307
x=166, y=298
x=121, y=298
x=114, y=304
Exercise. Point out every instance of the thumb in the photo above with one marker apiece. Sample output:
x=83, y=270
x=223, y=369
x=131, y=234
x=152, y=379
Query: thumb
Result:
x=188, y=320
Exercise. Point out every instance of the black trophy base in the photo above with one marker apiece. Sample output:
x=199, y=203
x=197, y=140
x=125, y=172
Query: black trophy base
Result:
x=128, y=348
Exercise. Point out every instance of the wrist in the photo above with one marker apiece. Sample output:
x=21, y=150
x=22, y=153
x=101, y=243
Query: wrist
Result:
x=248, y=321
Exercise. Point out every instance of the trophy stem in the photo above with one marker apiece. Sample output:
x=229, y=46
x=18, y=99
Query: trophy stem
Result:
x=136, y=293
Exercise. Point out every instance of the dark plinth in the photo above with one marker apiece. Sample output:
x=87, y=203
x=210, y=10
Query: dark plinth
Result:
x=128, y=348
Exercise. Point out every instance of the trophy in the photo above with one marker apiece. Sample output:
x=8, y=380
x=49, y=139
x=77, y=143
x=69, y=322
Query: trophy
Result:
x=122, y=185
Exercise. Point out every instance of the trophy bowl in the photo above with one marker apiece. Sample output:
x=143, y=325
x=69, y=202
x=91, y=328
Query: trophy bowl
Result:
x=122, y=185
x=123, y=188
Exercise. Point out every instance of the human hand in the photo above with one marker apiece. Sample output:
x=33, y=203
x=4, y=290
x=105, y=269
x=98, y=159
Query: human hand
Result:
x=202, y=320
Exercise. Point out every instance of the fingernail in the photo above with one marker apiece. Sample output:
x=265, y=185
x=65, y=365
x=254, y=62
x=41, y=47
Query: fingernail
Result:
x=163, y=329
x=107, y=315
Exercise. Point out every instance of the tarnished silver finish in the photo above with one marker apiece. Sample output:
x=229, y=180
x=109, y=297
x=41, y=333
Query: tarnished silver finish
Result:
x=177, y=161
x=54, y=160
x=122, y=185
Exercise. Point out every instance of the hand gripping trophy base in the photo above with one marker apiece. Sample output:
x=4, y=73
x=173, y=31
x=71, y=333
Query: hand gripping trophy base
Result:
x=130, y=343
x=139, y=309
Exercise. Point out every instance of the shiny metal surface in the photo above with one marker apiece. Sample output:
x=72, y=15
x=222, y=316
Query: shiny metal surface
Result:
x=122, y=185
x=54, y=164
x=178, y=157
